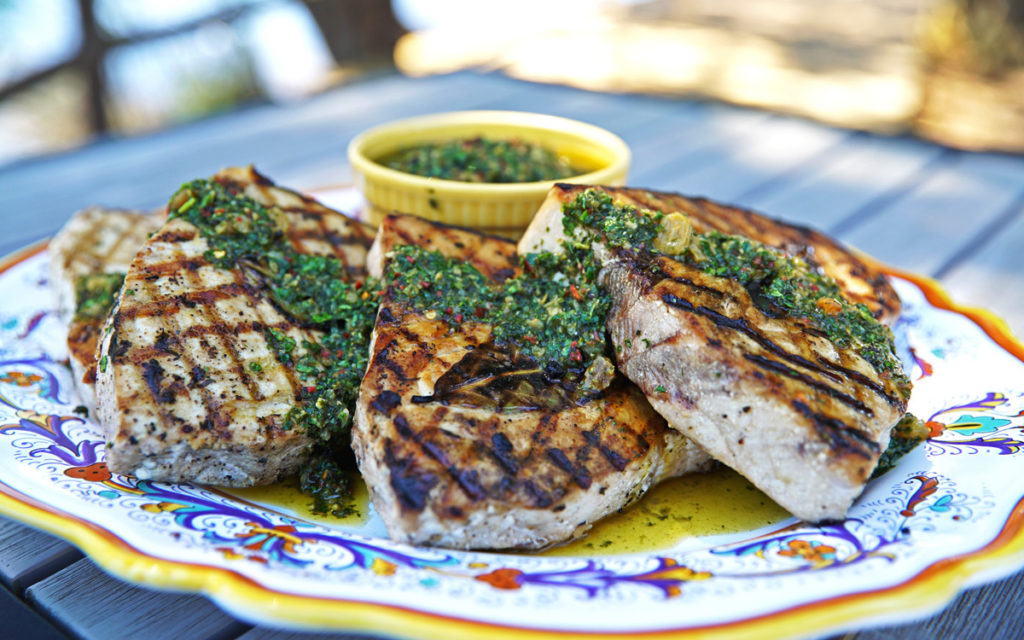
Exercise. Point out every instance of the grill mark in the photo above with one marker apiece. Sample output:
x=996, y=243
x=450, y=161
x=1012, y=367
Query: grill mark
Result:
x=176, y=236
x=541, y=498
x=165, y=416
x=740, y=325
x=191, y=299
x=827, y=368
x=837, y=434
x=201, y=382
x=386, y=401
x=468, y=479
x=410, y=484
x=778, y=367
x=240, y=328
x=578, y=473
x=502, y=450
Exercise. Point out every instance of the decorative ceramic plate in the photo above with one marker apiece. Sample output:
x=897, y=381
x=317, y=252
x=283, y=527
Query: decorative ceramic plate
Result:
x=947, y=516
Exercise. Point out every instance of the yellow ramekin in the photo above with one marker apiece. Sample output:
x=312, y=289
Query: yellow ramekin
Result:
x=500, y=208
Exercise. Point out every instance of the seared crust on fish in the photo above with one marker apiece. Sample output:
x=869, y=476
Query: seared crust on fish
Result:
x=94, y=241
x=188, y=387
x=444, y=470
x=860, y=282
x=771, y=397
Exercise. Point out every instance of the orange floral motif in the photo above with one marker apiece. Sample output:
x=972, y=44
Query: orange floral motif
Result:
x=285, y=532
x=502, y=578
x=20, y=378
x=935, y=428
x=809, y=551
x=95, y=472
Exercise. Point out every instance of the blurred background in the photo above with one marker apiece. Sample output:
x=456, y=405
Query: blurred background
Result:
x=952, y=71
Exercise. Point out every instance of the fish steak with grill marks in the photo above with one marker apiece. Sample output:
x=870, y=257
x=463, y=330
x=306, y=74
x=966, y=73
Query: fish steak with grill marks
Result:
x=446, y=466
x=188, y=386
x=88, y=258
x=764, y=393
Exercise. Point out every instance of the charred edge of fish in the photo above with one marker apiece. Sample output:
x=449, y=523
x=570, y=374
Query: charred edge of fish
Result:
x=411, y=485
x=789, y=372
x=838, y=434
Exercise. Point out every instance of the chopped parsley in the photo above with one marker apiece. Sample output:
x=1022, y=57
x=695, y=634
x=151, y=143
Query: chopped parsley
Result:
x=315, y=292
x=95, y=294
x=553, y=313
x=482, y=160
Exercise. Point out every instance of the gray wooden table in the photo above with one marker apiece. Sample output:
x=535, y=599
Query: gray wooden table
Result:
x=958, y=217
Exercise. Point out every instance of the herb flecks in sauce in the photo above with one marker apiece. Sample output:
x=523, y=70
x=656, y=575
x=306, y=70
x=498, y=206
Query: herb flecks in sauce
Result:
x=95, y=294
x=779, y=284
x=315, y=292
x=482, y=160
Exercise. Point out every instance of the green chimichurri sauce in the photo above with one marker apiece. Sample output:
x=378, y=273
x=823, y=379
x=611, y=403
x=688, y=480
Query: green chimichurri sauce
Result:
x=779, y=284
x=314, y=291
x=95, y=294
x=552, y=314
x=909, y=432
x=482, y=160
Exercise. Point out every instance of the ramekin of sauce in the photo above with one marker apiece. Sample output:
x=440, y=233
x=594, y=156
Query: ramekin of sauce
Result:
x=484, y=169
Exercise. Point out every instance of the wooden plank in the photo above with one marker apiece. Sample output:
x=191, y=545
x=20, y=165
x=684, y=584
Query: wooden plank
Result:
x=863, y=171
x=20, y=621
x=752, y=158
x=931, y=223
x=28, y=555
x=977, y=614
x=989, y=276
x=84, y=602
x=266, y=633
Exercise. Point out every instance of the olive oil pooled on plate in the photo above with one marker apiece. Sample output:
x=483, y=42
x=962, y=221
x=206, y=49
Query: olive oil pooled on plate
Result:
x=702, y=504
x=698, y=504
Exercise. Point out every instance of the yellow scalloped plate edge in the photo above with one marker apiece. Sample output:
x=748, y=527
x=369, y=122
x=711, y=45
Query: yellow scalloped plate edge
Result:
x=926, y=592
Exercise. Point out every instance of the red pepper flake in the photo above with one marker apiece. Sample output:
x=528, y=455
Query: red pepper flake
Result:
x=424, y=284
x=575, y=292
x=410, y=259
x=458, y=317
x=530, y=339
x=337, y=354
x=574, y=344
x=239, y=218
x=324, y=353
x=448, y=310
x=382, y=292
x=359, y=284
x=310, y=389
x=576, y=356
x=346, y=335
x=479, y=312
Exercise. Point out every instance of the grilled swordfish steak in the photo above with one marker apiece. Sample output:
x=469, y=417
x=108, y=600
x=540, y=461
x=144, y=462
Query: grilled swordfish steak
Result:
x=88, y=259
x=758, y=357
x=192, y=383
x=466, y=442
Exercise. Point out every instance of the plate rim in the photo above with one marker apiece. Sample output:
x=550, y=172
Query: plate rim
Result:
x=922, y=594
